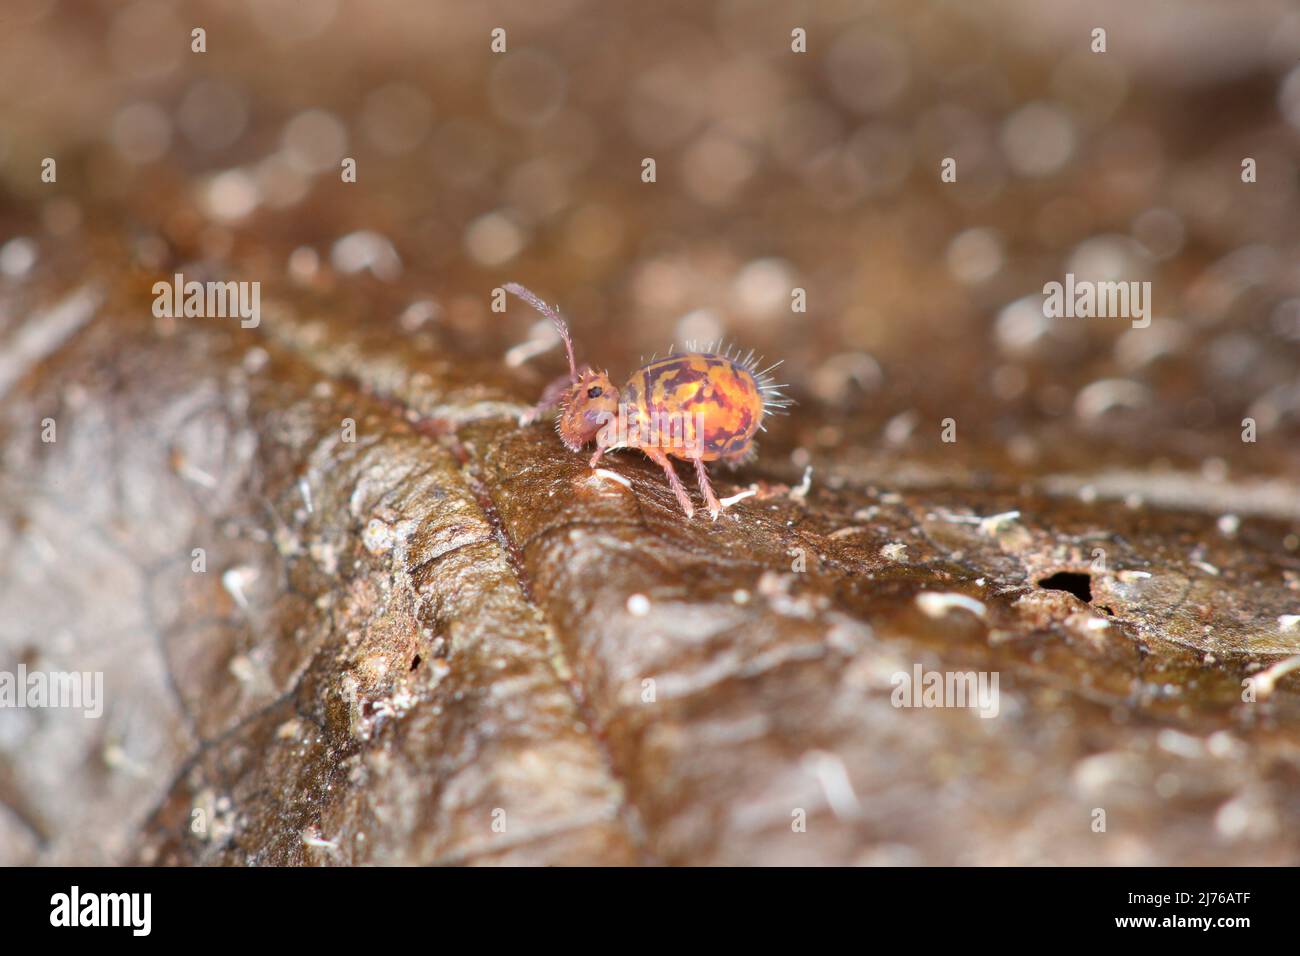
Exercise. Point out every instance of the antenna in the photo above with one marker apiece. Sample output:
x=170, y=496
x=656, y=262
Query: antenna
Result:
x=532, y=299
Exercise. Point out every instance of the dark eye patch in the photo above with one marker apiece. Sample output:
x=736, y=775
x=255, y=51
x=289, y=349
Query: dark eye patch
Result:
x=595, y=391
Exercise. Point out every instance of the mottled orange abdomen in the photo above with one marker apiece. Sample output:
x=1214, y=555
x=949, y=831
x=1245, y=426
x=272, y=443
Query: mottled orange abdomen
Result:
x=713, y=401
x=700, y=405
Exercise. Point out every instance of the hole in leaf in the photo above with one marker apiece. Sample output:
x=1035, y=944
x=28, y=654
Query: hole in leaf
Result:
x=1074, y=582
x=415, y=663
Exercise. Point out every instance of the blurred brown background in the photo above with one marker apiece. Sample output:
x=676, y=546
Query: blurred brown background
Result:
x=775, y=170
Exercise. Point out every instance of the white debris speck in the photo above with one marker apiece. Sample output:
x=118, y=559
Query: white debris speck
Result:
x=314, y=140
x=17, y=256
x=762, y=287
x=1229, y=525
x=899, y=428
x=1038, y=139
x=1096, y=774
x=494, y=238
x=835, y=783
x=542, y=337
x=195, y=474
x=938, y=604
x=255, y=360
x=777, y=588
x=43, y=332
x=991, y=525
x=236, y=581
x=835, y=379
x=365, y=249
x=638, y=605
x=304, y=263
x=699, y=325
x=230, y=195
x=1181, y=744
x=243, y=669
x=1289, y=622
x=975, y=255
x=1214, y=469
x=378, y=536
x=311, y=837
x=1022, y=325
x=800, y=492
x=1098, y=398
x=1222, y=745
x=325, y=555
x=418, y=313
x=847, y=532
x=1246, y=816
x=894, y=551
x=118, y=759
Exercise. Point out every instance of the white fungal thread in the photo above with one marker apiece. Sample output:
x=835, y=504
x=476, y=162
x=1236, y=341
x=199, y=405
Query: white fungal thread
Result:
x=612, y=476
x=1266, y=681
x=935, y=604
x=739, y=496
x=800, y=492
